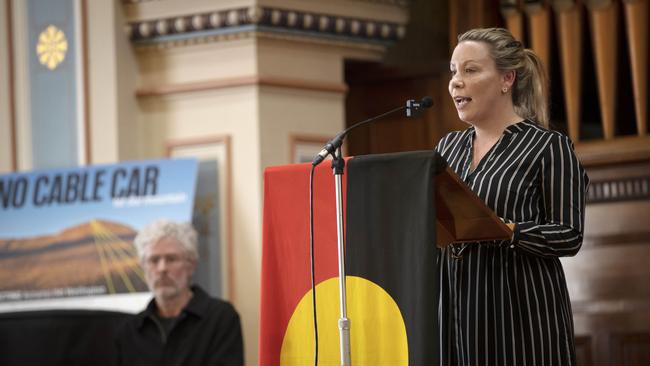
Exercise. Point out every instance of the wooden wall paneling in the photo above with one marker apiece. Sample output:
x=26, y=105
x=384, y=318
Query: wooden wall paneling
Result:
x=467, y=14
x=513, y=17
x=453, y=25
x=375, y=89
x=631, y=349
x=463, y=15
x=583, y=350
x=636, y=16
x=569, y=28
x=624, y=149
x=539, y=26
x=398, y=132
x=608, y=278
x=604, y=24
x=608, y=289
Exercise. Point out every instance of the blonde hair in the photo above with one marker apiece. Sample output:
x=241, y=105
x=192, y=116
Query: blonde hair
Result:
x=530, y=88
x=184, y=233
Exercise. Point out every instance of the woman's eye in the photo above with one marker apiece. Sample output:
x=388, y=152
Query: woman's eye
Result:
x=469, y=71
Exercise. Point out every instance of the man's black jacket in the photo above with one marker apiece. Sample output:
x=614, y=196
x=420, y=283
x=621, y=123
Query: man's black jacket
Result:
x=207, y=332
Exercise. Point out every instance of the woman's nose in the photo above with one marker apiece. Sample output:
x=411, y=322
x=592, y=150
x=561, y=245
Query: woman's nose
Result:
x=456, y=82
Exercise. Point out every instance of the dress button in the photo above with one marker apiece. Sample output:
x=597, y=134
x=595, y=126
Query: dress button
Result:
x=512, y=246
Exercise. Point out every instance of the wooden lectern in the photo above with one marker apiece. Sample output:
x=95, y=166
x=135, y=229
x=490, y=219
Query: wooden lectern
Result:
x=462, y=216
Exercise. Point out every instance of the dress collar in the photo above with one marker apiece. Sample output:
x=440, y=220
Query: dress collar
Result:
x=513, y=128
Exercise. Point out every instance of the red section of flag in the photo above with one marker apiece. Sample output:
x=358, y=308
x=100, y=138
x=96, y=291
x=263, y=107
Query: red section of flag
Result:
x=285, y=253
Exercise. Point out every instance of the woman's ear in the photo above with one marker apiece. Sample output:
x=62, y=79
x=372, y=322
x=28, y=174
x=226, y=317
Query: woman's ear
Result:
x=508, y=79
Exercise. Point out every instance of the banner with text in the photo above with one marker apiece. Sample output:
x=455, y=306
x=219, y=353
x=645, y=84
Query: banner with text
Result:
x=68, y=233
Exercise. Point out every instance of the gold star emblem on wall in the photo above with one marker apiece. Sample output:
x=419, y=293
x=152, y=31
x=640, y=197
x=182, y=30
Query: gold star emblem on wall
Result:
x=52, y=46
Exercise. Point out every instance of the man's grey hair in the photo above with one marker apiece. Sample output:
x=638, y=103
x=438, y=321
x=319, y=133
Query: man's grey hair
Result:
x=157, y=230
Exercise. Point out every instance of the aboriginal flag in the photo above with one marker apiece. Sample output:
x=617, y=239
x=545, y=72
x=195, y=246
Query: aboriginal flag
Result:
x=390, y=263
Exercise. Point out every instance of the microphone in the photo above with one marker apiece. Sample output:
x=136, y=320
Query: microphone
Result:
x=411, y=106
x=329, y=148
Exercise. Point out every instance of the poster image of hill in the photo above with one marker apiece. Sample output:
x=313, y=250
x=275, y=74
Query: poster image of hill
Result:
x=69, y=233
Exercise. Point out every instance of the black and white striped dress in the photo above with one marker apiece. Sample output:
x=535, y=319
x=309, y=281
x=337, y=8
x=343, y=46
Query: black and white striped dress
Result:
x=506, y=303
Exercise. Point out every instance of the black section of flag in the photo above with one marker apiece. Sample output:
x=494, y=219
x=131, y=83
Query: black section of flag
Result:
x=391, y=238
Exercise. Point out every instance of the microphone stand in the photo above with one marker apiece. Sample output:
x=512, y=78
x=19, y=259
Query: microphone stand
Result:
x=338, y=166
x=333, y=147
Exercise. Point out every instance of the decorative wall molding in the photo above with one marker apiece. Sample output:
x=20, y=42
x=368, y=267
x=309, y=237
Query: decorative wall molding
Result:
x=170, y=42
x=303, y=148
x=85, y=81
x=241, y=81
x=628, y=238
x=626, y=189
x=12, y=90
x=215, y=150
x=623, y=149
x=126, y=2
x=225, y=24
x=401, y=3
x=610, y=306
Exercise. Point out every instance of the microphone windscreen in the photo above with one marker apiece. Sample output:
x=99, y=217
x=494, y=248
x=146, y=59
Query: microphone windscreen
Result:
x=427, y=102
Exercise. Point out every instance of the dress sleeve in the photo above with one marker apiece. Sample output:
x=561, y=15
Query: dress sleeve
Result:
x=563, y=188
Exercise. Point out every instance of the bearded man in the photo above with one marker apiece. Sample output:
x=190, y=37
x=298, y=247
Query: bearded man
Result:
x=182, y=325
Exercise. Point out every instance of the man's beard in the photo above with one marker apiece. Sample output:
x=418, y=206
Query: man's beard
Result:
x=167, y=288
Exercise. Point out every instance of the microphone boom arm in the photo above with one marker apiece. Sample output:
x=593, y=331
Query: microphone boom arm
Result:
x=337, y=141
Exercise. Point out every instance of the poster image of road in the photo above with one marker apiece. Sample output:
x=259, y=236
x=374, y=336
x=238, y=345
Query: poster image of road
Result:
x=67, y=233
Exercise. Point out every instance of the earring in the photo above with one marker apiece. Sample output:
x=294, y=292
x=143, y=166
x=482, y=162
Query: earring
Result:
x=504, y=90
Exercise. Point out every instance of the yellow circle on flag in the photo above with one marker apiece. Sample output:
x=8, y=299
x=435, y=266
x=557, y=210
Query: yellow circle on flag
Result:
x=377, y=330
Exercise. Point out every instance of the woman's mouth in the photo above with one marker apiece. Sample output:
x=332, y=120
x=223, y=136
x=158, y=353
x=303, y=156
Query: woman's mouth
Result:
x=461, y=102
